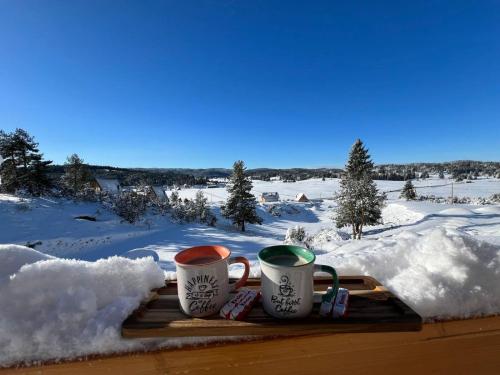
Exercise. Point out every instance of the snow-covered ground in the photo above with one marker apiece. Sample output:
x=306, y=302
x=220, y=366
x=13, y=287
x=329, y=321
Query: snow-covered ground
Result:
x=316, y=188
x=443, y=260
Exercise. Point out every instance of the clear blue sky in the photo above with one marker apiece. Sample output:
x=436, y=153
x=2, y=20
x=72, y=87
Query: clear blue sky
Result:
x=275, y=83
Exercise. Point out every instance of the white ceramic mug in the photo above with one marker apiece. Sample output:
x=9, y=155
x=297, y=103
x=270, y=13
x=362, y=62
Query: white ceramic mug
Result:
x=203, y=281
x=287, y=280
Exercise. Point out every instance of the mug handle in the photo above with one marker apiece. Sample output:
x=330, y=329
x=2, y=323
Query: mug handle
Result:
x=329, y=297
x=243, y=280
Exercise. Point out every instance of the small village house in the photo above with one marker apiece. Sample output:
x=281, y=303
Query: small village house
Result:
x=269, y=197
x=106, y=185
x=301, y=197
x=157, y=193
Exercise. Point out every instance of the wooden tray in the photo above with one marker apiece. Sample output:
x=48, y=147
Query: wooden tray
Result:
x=372, y=308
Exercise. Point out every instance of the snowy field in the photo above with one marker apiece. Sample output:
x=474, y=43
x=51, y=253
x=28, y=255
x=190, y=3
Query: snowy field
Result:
x=443, y=260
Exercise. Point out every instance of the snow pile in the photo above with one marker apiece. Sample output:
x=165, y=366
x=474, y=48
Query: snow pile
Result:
x=13, y=257
x=442, y=274
x=141, y=253
x=60, y=308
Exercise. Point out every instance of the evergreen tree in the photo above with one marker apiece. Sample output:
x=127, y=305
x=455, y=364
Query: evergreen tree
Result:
x=203, y=212
x=359, y=202
x=130, y=206
x=76, y=174
x=190, y=211
x=240, y=206
x=8, y=170
x=24, y=166
x=408, y=191
x=38, y=180
x=177, y=207
x=174, y=198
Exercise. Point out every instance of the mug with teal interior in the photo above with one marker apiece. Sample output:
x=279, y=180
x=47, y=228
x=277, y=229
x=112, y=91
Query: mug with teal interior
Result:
x=287, y=280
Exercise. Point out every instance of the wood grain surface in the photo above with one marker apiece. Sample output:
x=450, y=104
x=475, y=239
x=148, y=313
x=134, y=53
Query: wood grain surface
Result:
x=456, y=347
x=372, y=308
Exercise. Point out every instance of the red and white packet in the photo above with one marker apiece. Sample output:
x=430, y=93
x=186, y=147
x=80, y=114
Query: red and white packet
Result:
x=240, y=305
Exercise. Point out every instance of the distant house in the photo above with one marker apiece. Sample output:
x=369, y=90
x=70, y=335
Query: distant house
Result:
x=301, y=197
x=158, y=193
x=106, y=185
x=269, y=197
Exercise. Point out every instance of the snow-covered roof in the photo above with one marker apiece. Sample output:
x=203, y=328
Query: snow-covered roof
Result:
x=159, y=192
x=301, y=196
x=270, y=196
x=108, y=185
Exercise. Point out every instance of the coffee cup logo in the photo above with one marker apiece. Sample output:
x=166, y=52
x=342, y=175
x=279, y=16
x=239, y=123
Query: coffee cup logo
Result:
x=200, y=292
x=285, y=302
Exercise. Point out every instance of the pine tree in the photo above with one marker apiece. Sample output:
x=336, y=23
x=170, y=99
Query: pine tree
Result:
x=177, y=207
x=76, y=174
x=8, y=168
x=130, y=206
x=359, y=202
x=38, y=180
x=174, y=198
x=241, y=204
x=203, y=212
x=408, y=191
x=24, y=167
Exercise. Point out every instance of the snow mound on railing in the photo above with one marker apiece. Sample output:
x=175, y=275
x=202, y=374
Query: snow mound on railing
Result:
x=13, y=257
x=441, y=274
x=60, y=308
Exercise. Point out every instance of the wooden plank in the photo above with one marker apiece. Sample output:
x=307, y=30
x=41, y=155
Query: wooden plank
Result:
x=371, y=309
x=456, y=347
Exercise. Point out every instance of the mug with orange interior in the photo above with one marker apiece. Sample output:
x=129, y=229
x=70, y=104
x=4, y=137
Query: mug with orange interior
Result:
x=203, y=281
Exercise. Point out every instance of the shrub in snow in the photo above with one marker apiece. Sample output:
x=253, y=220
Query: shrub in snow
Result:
x=297, y=236
x=495, y=198
x=160, y=206
x=130, y=205
x=189, y=210
x=328, y=235
x=56, y=309
x=87, y=193
x=432, y=198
